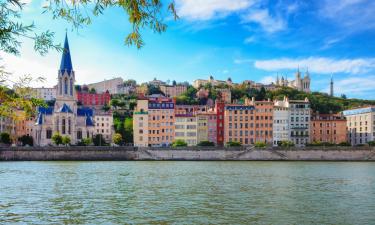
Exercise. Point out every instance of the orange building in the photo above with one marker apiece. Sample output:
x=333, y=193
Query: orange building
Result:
x=248, y=123
x=328, y=128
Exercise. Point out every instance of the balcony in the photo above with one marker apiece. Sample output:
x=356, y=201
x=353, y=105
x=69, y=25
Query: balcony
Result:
x=140, y=113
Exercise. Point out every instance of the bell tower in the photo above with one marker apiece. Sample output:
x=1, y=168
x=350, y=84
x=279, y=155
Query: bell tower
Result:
x=66, y=75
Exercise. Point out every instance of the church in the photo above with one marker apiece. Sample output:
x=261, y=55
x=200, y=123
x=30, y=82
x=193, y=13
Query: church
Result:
x=301, y=84
x=65, y=117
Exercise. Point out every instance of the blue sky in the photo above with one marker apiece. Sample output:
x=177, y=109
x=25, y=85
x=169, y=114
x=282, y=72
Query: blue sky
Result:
x=241, y=39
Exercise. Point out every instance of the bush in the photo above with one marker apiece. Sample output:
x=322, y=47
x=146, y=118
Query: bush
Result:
x=98, y=140
x=179, y=143
x=57, y=139
x=26, y=140
x=117, y=139
x=233, y=144
x=5, y=138
x=344, y=144
x=286, y=143
x=84, y=142
x=260, y=144
x=206, y=143
x=66, y=140
x=371, y=143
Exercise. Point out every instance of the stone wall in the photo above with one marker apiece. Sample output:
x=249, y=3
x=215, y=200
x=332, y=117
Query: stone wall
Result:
x=186, y=153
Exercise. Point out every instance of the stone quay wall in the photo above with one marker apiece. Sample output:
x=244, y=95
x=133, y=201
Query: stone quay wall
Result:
x=187, y=153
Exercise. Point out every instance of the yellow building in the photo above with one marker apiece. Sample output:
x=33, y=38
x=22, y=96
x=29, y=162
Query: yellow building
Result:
x=186, y=128
x=202, y=127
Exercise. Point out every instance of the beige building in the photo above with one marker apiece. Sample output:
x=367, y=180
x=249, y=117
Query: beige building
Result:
x=200, y=82
x=173, y=91
x=202, y=127
x=113, y=86
x=104, y=125
x=186, y=128
x=154, y=122
x=361, y=125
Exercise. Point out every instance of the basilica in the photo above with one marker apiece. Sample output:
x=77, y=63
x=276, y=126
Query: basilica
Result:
x=65, y=117
x=301, y=84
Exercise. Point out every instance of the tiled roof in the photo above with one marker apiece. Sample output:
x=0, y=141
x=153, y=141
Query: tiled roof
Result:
x=65, y=109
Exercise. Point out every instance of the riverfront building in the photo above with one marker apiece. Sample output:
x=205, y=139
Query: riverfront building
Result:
x=186, y=128
x=329, y=128
x=249, y=123
x=299, y=118
x=154, y=121
x=104, y=125
x=361, y=125
x=281, y=126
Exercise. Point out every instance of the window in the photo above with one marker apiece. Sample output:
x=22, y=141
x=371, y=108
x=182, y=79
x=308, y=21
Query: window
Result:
x=79, y=134
x=49, y=134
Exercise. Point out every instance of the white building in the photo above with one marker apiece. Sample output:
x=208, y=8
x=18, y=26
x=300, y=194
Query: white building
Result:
x=360, y=125
x=299, y=119
x=104, y=125
x=301, y=84
x=281, y=130
x=47, y=94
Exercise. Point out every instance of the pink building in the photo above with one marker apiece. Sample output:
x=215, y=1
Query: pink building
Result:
x=212, y=127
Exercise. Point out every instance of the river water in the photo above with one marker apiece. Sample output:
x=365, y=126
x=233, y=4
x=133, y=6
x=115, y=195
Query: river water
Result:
x=187, y=192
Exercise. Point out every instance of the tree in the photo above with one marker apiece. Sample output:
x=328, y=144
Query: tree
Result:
x=343, y=96
x=57, y=139
x=87, y=141
x=179, y=143
x=286, y=143
x=26, y=140
x=174, y=83
x=261, y=95
x=260, y=144
x=92, y=91
x=117, y=139
x=98, y=140
x=5, y=138
x=66, y=140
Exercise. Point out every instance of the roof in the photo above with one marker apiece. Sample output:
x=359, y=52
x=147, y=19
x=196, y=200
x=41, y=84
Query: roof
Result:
x=39, y=120
x=359, y=111
x=66, y=61
x=89, y=121
x=84, y=111
x=45, y=110
x=65, y=109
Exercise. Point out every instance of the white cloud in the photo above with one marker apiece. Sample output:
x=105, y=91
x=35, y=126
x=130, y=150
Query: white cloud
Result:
x=267, y=79
x=355, y=86
x=209, y=9
x=319, y=64
x=249, y=40
x=262, y=17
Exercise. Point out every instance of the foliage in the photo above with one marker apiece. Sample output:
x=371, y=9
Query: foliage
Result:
x=179, y=143
x=260, y=144
x=92, y=91
x=85, y=142
x=206, y=143
x=26, y=140
x=152, y=89
x=188, y=98
x=11, y=30
x=318, y=143
x=66, y=140
x=5, y=138
x=286, y=143
x=344, y=144
x=98, y=140
x=106, y=108
x=57, y=139
x=233, y=144
x=371, y=143
x=117, y=139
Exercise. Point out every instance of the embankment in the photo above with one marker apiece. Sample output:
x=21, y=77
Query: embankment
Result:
x=187, y=153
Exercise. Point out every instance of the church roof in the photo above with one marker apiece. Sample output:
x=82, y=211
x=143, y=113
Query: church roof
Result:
x=65, y=109
x=84, y=111
x=45, y=110
x=39, y=120
x=89, y=121
x=66, y=61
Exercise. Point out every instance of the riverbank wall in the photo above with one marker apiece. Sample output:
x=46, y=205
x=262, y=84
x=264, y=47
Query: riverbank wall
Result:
x=187, y=153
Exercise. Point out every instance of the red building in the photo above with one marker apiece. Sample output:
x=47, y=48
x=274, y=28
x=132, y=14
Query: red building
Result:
x=219, y=108
x=93, y=99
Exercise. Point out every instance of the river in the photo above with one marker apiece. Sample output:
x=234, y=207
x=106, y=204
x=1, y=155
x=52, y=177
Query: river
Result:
x=183, y=192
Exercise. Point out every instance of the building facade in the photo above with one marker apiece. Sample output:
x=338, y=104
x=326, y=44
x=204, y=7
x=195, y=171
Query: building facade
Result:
x=65, y=117
x=329, y=128
x=47, y=94
x=186, y=128
x=104, y=125
x=361, y=125
x=173, y=91
x=281, y=129
x=154, y=122
x=200, y=82
x=113, y=86
x=93, y=99
x=299, y=117
x=301, y=84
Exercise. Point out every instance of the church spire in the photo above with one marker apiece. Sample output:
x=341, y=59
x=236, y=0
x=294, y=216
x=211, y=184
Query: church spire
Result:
x=66, y=61
x=331, y=87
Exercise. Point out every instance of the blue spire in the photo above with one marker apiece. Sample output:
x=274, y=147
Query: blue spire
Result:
x=66, y=61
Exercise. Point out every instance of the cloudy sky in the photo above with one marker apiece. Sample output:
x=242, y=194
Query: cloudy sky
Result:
x=241, y=39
